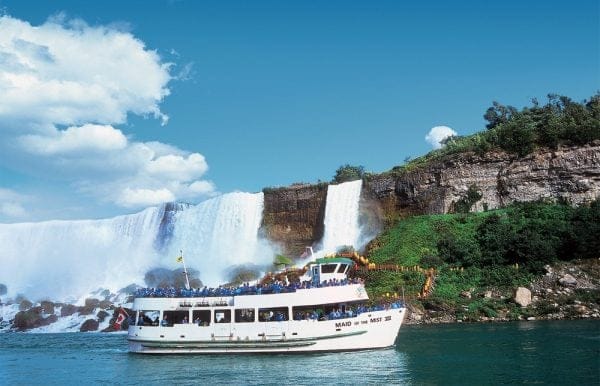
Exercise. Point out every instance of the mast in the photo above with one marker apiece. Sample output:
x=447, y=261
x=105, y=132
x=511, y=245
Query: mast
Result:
x=185, y=272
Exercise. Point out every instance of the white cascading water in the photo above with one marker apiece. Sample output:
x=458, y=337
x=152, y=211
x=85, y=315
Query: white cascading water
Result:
x=66, y=260
x=341, y=216
x=220, y=233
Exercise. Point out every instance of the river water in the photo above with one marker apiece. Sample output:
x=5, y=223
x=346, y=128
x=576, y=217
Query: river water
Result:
x=562, y=352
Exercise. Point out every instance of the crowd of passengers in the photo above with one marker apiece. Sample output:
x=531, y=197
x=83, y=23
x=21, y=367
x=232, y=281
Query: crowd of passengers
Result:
x=337, y=313
x=269, y=316
x=245, y=289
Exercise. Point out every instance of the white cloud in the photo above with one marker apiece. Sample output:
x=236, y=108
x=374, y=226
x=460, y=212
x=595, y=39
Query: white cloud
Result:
x=437, y=134
x=176, y=166
x=64, y=86
x=201, y=187
x=88, y=137
x=144, y=197
x=11, y=204
x=71, y=74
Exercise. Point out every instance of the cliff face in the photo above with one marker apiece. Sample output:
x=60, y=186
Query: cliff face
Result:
x=293, y=216
x=569, y=173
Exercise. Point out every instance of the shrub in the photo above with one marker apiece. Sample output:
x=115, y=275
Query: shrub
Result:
x=348, y=173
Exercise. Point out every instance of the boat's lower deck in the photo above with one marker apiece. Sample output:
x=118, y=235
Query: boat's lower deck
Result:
x=369, y=330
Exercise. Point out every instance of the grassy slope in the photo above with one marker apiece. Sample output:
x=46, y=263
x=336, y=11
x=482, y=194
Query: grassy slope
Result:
x=413, y=241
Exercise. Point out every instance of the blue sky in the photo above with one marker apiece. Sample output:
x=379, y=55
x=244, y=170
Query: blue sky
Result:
x=260, y=93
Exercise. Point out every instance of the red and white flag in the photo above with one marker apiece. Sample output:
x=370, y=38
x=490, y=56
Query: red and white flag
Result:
x=120, y=319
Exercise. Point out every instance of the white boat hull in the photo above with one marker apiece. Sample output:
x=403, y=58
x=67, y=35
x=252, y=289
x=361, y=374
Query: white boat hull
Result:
x=369, y=330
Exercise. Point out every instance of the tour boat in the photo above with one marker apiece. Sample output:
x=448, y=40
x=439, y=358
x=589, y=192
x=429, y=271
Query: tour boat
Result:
x=324, y=311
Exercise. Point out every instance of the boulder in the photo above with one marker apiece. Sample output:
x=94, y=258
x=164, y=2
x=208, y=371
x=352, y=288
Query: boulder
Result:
x=90, y=305
x=466, y=294
x=47, y=306
x=25, y=305
x=105, y=304
x=522, y=296
x=102, y=315
x=32, y=318
x=567, y=281
x=68, y=309
x=89, y=325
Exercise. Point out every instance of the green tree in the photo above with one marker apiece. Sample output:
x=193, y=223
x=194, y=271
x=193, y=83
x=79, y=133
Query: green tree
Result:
x=348, y=173
x=464, y=204
x=498, y=114
x=517, y=135
x=495, y=236
x=584, y=239
x=462, y=251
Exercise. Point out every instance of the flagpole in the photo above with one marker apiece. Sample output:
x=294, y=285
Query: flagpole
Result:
x=185, y=272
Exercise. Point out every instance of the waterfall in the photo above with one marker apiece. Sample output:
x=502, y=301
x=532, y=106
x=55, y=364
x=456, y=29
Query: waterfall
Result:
x=65, y=260
x=341, y=216
x=220, y=233
x=68, y=260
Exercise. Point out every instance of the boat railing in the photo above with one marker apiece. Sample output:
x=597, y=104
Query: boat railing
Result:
x=246, y=289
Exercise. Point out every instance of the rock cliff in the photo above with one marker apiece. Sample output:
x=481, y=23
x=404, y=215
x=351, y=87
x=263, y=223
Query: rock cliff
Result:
x=293, y=216
x=568, y=173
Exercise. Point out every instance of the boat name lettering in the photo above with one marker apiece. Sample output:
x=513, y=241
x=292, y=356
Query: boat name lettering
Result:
x=343, y=324
x=376, y=320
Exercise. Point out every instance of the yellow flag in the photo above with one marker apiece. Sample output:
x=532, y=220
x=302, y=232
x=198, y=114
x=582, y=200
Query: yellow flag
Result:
x=180, y=259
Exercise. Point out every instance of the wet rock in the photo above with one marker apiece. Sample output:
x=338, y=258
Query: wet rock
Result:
x=47, y=307
x=105, y=304
x=90, y=305
x=25, y=305
x=68, y=309
x=91, y=302
x=567, y=281
x=102, y=315
x=32, y=318
x=89, y=325
x=522, y=296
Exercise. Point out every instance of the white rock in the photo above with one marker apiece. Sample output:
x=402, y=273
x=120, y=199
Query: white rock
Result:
x=568, y=281
x=522, y=296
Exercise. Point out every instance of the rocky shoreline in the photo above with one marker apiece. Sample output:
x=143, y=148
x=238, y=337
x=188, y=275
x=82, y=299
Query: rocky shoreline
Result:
x=566, y=291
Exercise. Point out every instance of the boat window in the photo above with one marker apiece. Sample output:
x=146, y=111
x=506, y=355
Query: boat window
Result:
x=244, y=315
x=222, y=316
x=328, y=268
x=201, y=317
x=342, y=268
x=148, y=318
x=175, y=317
x=306, y=312
x=275, y=314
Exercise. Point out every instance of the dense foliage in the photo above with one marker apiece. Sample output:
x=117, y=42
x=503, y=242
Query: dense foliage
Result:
x=501, y=248
x=348, y=173
x=561, y=121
